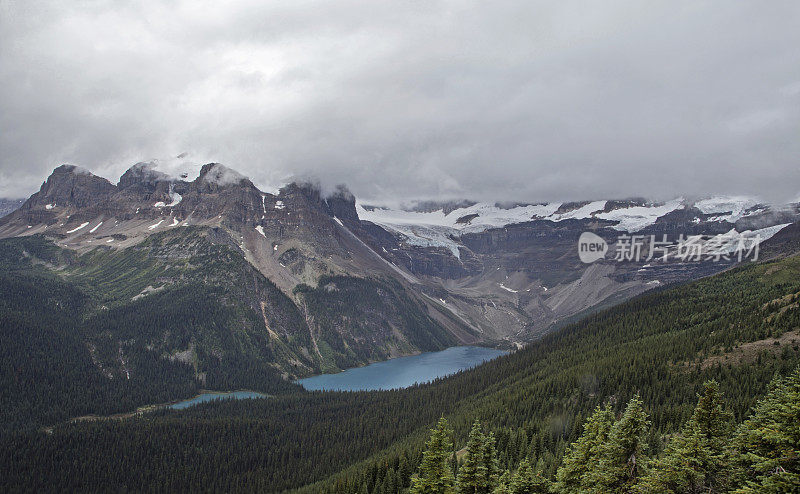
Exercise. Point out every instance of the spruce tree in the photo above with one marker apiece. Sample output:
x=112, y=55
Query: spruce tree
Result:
x=435, y=474
x=472, y=474
x=766, y=447
x=583, y=455
x=503, y=483
x=492, y=462
x=527, y=480
x=695, y=459
x=621, y=456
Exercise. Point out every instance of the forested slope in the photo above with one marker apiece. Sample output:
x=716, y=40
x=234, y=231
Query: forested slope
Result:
x=739, y=328
x=76, y=338
x=107, y=330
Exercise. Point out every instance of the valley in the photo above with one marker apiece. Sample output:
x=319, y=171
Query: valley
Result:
x=448, y=247
x=116, y=297
x=533, y=399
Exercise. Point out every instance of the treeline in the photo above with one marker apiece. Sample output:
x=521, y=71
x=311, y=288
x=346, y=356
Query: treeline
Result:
x=708, y=455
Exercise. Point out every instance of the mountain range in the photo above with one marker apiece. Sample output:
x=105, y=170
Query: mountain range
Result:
x=321, y=282
x=117, y=298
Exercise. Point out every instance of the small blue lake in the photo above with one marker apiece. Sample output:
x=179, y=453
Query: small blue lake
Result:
x=211, y=396
x=403, y=371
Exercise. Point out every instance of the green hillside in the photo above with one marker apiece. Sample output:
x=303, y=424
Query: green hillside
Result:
x=109, y=330
x=739, y=328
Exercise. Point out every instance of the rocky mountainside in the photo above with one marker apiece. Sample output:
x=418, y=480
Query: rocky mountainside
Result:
x=513, y=270
x=283, y=282
x=476, y=272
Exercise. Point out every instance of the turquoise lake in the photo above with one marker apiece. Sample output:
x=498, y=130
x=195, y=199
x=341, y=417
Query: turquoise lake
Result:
x=211, y=396
x=403, y=371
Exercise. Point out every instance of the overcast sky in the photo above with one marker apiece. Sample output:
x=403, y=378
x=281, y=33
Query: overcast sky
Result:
x=495, y=100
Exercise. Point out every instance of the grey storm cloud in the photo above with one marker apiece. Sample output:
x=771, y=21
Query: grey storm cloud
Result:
x=499, y=100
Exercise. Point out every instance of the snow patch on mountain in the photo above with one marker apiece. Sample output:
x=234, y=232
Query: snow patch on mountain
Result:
x=733, y=207
x=475, y=218
x=581, y=213
x=437, y=229
x=427, y=236
x=731, y=241
x=491, y=216
x=635, y=218
x=508, y=289
x=83, y=225
x=176, y=199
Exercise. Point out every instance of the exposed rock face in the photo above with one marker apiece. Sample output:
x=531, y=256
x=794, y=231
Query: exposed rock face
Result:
x=294, y=238
x=70, y=186
x=785, y=243
x=342, y=204
x=489, y=283
x=143, y=175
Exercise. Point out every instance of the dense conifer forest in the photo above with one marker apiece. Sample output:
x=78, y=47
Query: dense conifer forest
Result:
x=110, y=330
x=708, y=454
x=642, y=363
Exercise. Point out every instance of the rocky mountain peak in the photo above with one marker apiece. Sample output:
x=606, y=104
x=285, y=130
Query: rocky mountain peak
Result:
x=342, y=204
x=221, y=175
x=143, y=173
x=70, y=185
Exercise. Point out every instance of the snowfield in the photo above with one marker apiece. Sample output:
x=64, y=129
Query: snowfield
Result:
x=735, y=207
x=727, y=243
x=437, y=229
x=581, y=213
x=635, y=218
x=176, y=199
